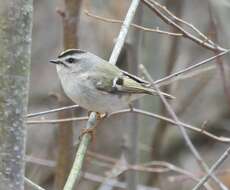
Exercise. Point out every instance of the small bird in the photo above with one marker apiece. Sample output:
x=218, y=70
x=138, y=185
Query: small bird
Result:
x=96, y=85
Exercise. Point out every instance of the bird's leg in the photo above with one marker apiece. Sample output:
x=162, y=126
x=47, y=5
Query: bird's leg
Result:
x=92, y=130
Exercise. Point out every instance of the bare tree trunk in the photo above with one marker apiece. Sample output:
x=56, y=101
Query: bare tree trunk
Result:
x=65, y=136
x=15, y=48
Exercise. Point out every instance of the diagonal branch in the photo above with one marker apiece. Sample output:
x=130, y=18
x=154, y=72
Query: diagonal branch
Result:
x=223, y=157
x=188, y=141
x=154, y=6
x=75, y=172
x=146, y=29
x=183, y=71
x=32, y=184
x=123, y=32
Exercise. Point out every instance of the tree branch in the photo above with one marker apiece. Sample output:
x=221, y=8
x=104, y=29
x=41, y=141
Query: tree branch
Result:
x=223, y=157
x=51, y=111
x=183, y=71
x=142, y=112
x=32, y=184
x=188, y=141
x=145, y=29
x=208, y=44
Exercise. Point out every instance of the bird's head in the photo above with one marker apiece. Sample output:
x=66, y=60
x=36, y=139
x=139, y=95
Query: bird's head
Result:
x=69, y=60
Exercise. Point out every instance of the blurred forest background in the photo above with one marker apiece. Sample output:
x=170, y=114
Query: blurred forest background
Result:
x=201, y=98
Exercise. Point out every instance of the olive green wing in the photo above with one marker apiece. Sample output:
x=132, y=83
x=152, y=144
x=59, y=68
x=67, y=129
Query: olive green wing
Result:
x=110, y=78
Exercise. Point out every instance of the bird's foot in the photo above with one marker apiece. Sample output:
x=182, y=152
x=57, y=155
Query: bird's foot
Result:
x=92, y=131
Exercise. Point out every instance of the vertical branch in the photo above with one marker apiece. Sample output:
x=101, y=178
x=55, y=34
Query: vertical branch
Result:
x=70, y=23
x=65, y=147
x=220, y=63
x=133, y=48
x=171, y=61
x=65, y=132
x=161, y=128
x=15, y=51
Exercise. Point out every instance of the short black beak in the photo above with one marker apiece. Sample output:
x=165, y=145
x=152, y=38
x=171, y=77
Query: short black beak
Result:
x=55, y=61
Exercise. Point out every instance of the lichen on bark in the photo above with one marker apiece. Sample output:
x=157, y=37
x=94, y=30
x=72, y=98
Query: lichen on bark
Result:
x=15, y=48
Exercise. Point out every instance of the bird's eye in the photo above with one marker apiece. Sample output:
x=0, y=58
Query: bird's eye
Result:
x=70, y=60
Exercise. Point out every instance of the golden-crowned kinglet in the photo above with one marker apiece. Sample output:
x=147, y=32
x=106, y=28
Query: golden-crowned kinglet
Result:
x=95, y=84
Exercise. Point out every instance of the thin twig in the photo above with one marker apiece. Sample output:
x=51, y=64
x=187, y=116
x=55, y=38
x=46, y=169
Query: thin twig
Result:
x=54, y=121
x=178, y=178
x=123, y=32
x=169, y=77
x=32, y=184
x=158, y=137
x=152, y=5
x=40, y=161
x=151, y=167
x=51, y=111
x=142, y=112
x=113, y=182
x=188, y=141
x=205, y=38
x=194, y=92
x=223, y=157
x=190, y=127
x=146, y=29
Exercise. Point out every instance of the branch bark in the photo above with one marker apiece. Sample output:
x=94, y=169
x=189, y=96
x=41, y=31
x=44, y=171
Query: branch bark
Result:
x=162, y=13
x=15, y=50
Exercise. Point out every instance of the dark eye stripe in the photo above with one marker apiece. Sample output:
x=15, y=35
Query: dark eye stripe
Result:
x=70, y=60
